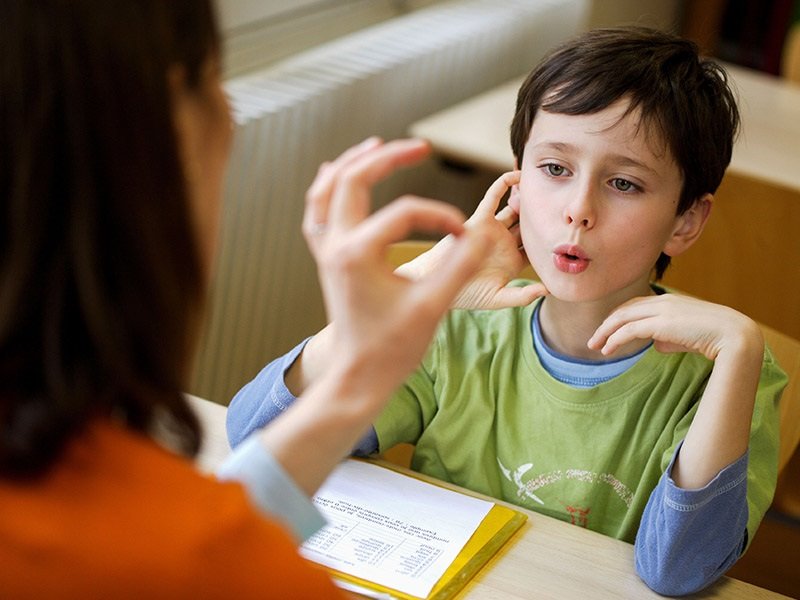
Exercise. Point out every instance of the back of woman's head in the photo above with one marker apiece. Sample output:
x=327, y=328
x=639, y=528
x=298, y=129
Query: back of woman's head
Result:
x=100, y=280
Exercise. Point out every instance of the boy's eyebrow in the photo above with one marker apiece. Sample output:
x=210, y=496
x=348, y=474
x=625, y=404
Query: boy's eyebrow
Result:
x=618, y=159
x=559, y=146
x=628, y=161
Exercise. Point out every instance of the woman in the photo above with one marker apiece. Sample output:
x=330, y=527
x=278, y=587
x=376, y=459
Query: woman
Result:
x=115, y=134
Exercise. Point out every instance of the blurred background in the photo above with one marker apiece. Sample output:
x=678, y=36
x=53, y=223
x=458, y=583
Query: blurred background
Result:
x=309, y=78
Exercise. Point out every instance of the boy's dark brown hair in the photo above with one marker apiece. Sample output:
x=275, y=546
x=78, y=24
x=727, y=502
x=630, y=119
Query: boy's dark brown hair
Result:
x=683, y=99
x=100, y=278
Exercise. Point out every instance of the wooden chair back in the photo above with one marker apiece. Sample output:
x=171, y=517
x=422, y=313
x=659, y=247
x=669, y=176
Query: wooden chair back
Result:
x=790, y=59
x=787, y=352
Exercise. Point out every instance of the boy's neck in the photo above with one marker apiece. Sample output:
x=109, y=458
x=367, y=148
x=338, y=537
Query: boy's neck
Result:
x=567, y=326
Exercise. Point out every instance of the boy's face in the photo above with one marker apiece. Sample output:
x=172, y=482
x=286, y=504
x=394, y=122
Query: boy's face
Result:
x=597, y=201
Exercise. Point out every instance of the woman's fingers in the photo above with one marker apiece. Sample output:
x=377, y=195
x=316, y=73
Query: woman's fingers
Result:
x=397, y=220
x=319, y=193
x=350, y=198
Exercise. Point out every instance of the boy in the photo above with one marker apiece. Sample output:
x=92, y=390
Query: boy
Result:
x=608, y=402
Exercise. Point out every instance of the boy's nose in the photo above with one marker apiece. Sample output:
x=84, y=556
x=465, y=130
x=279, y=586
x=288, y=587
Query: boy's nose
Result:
x=580, y=211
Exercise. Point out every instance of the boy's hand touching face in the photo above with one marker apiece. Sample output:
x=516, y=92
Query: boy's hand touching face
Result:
x=679, y=324
x=502, y=263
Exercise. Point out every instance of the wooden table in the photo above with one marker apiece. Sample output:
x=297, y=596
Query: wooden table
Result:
x=546, y=559
x=749, y=255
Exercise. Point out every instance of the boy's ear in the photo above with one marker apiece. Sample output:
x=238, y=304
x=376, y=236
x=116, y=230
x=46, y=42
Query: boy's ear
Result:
x=689, y=226
x=513, y=198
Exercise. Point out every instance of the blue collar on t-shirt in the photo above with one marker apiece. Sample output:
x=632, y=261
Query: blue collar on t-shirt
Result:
x=577, y=372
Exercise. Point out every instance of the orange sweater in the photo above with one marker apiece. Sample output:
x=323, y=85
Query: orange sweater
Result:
x=120, y=517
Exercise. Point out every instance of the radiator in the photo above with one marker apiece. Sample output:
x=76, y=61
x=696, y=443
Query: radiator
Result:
x=264, y=296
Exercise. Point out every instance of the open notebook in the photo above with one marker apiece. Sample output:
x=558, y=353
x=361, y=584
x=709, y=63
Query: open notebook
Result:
x=402, y=537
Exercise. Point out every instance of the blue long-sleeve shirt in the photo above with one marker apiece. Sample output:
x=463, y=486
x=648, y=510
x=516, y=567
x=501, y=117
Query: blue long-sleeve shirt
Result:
x=686, y=540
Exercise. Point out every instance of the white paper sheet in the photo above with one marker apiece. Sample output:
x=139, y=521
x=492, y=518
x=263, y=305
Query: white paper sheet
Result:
x=390, y=528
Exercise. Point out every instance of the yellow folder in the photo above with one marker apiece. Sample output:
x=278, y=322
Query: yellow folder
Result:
x=495, y=530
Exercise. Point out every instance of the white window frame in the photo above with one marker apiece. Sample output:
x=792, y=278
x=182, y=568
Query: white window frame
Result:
x=257, y=33
x=234, y=14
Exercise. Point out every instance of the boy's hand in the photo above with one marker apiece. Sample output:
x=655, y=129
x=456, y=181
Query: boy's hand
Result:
x=720, y=430
x=678, y=324
x=503, y=262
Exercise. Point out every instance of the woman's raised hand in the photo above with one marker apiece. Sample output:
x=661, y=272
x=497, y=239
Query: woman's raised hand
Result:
x=380, y=319
x=381, y=323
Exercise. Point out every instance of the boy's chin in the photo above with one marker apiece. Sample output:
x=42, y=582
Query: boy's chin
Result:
x=572, y=288
x=571, y=296
x=567, y=291
x=581, y=290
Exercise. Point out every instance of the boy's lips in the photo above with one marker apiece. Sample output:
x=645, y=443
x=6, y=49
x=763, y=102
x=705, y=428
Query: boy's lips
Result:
x=569, y=258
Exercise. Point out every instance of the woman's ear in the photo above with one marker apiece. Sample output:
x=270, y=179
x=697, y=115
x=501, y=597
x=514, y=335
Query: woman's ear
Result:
x=689, y=226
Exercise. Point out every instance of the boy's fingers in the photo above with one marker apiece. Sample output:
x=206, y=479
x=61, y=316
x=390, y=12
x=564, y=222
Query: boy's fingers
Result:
x=641, y=329
x=441, y=286
x=491, y=200
x=634, y=311
x=507, y=216
x=520, y=296
x=513, y=198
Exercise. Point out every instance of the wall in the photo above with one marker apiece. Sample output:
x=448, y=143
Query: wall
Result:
x=663, y=14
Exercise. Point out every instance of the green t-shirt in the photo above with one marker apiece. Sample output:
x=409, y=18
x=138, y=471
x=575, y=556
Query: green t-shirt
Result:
x=484, y=414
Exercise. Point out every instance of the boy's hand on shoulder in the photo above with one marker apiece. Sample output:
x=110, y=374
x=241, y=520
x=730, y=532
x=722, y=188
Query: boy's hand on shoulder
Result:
x=720, y=431
x=503, y=262
x=680, y=324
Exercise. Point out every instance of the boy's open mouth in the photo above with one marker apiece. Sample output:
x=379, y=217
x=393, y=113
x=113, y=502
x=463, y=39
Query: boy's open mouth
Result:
x=569, y=258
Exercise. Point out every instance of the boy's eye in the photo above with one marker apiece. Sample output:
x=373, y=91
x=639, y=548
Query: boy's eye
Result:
x=623, y=185
x=555, y=170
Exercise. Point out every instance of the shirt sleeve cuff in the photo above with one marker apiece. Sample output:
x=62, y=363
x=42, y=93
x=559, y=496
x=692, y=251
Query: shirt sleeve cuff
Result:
x=688, y=538
x=368, y=444
x=271, y=489
x=685, y=500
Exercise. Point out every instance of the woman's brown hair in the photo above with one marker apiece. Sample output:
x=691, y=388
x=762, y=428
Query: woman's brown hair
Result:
x=100, y=277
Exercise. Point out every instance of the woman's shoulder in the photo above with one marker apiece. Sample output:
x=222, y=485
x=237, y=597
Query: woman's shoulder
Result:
x=121, y=511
